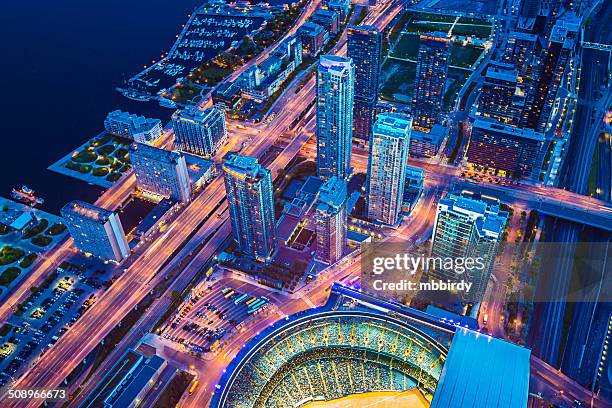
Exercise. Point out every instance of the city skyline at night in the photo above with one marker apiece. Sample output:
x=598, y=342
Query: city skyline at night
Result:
x=309, y=204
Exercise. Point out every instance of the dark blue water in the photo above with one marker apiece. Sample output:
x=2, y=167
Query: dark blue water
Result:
x=60, y=62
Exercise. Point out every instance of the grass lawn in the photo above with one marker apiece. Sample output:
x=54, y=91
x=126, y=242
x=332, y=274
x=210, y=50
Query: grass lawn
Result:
x=56, y=229
x=434, y=17
x=101, y=156
x=472, y=30
x=461, y=56
x=398, y=78
x=474, y=20
x=185, y=91
x=427, y=27
x=41, y=240
x=9, y=275
x=105, y=151
x=458, y=78
x=28, y=260
x=9, y=254
x=5, y=329
x=37, y=229
x=407, y=47
x=113, y=176
x=84, y=156
x=464, y=56
x=100, y=171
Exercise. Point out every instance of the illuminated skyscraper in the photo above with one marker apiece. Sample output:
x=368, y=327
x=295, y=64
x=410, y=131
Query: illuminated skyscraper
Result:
x=387, y=163
x=248, y=186
x=199, y=132
x=161, y=172
x=335, y=89
x=468, y=227
x=431, y=72
x=96, y=231
x=365, y=49
x=500, y=98
x=540, y=98
x=330, y=221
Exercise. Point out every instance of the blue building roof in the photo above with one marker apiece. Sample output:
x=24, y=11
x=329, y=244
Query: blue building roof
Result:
x=483, y=372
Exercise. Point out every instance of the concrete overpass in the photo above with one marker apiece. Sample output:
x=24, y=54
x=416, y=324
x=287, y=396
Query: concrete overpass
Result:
x=551, y=201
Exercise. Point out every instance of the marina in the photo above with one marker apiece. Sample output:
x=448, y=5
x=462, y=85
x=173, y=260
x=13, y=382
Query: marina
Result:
x=210, y=30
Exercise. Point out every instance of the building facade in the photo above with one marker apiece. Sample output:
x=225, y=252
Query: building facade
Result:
x=313, y=38
x=431, y=73
x=541, y=96
x=468, y=226
x=365, y=49
x=500, y=98
x=138, y=128
x=96, y=231
x=334, y=104
x=330, y=221
x=199, y=132
x=387, y=163
x=251, y=205
x=161, y=172
x=506, y=150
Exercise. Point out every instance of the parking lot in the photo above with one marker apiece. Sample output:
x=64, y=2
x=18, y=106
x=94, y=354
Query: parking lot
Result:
x=37, y=324
x=212, y=311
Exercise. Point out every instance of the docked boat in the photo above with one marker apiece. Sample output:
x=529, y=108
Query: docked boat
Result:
x=167, y=103
x=26, y=195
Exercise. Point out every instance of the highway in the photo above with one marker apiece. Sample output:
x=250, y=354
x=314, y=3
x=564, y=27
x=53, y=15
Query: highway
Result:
x=205, y=218
x=127, y=291
x=111, y=200
x=312, y=6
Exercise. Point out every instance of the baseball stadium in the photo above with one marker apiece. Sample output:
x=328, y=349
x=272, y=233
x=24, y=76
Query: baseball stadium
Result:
x=360, y=350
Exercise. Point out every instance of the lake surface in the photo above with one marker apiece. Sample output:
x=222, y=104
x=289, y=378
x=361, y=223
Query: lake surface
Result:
x=61, y=61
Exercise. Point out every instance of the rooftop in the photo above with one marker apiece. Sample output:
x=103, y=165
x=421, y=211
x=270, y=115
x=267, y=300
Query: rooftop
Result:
x=311, y=28
x=243, y=166
x=86, y=210
x=502, y=73
x=483, y=372
x=194, y=115
x=392, y=124
x=364, y=28
x=508, y=129
x=155, y=153
x=333, y=193
x=125, y=381
x=335, y=64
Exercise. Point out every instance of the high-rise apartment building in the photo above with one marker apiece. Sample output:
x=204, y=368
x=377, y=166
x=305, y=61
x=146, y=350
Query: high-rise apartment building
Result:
x=468, y=227
x=387, y=161
x=161, y=172
x=251, y=205
x=138, y=128
x=508, y=150
x=96, y=231
x=334, y=103
x=365, y=49
x=199, y=132
x=330, y=221
x=431, y=73
x=547, y=79
x=500, y=97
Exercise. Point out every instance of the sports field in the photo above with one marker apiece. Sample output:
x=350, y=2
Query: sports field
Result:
x=381, y=399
